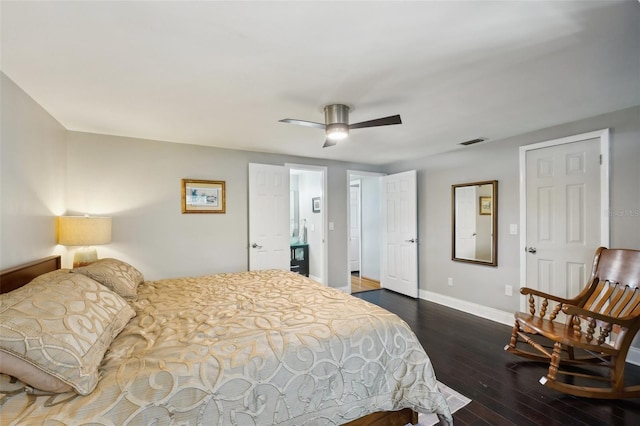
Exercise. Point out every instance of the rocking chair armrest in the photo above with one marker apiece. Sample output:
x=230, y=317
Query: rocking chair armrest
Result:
x=533, y=291
x=621, y=321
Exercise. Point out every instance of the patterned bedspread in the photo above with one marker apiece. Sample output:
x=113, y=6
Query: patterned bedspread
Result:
x=251, y=348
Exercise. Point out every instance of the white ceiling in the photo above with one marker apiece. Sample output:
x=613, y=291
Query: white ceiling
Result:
x=223, y=73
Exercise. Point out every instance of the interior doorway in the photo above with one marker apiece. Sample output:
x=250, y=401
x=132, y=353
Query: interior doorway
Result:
x=365, y=241
x=307, y=221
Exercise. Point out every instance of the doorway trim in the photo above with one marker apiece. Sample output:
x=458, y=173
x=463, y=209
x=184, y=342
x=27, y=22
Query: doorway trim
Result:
x=323, y=211
x=603, y=135
x=356, y=183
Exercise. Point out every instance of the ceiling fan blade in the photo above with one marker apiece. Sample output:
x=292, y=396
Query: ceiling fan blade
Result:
x=385, y=121
x=328, y=143
x=303, y=123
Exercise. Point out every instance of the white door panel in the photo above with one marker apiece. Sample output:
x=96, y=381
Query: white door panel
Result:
x=563, y=214
x=400, y=233
x=268, y=217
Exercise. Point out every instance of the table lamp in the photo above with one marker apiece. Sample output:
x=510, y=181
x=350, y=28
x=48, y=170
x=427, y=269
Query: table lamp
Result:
x=85, y=231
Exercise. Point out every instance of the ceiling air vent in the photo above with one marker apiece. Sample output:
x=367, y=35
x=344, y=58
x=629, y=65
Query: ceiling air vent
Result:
x=472, y=141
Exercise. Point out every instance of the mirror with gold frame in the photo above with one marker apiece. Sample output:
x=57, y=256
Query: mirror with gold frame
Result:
x=474, y=218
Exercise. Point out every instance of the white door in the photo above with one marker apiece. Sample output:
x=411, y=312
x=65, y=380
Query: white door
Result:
x=399, y=269
x=354, y=227
x=269, y=243
x=566, y=192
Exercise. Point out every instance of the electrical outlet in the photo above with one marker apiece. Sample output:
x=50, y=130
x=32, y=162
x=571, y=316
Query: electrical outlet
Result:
x=450, y=282
x=508, y=290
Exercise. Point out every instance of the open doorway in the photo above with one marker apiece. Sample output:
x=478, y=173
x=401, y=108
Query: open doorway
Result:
x=307, y=221
x=364, y=230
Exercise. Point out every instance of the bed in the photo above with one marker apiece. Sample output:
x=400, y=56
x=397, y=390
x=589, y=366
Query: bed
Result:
x=248, y=348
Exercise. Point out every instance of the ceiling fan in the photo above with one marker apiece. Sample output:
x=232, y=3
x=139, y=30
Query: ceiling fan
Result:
x=336, y=126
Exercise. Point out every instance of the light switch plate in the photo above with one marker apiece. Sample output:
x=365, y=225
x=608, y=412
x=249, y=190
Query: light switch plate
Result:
x=513, y=229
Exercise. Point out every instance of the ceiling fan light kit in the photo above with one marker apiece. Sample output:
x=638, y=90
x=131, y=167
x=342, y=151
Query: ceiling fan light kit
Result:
x=336, y=126
x=336, y=118
x=337, y=131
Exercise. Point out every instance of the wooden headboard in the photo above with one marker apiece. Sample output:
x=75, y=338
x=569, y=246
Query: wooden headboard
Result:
x=16, y=277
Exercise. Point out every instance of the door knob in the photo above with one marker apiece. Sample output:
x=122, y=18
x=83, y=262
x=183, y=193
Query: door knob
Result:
x=254, y=245
x=531, y=250
x=413, y=240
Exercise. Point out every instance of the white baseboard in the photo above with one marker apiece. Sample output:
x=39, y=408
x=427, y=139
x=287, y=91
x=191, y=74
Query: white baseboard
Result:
x=492, y=314
x=502, y=317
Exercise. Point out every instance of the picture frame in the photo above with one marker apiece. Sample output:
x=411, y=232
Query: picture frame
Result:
x=315, y=204
x=486, y=205
x=203, y=196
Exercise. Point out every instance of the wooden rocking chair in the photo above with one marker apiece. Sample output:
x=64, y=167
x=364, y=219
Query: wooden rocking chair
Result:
x=601, y=324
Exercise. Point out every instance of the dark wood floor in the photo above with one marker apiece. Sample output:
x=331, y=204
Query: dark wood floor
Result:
x=467, y=355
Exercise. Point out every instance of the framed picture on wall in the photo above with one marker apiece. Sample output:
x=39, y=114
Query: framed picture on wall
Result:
x=315, y=206
x=203, y=196
x=485, y=205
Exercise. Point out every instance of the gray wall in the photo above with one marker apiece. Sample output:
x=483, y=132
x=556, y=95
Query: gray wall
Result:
x=137, y=182
x=498, y=160
x=32, y=177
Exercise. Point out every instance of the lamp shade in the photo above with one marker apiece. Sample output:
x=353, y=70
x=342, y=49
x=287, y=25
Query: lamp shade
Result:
x=84, y=230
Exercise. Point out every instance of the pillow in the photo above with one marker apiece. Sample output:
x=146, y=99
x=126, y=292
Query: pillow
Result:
x=54, y=333
x=117, y=275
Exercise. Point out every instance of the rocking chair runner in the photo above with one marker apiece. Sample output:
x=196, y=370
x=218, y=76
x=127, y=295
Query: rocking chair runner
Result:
x=601, y=322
